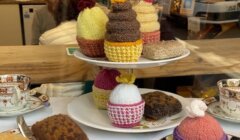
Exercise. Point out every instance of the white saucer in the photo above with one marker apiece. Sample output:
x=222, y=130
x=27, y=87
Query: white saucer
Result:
x=33, y=104
x=215, y=110
x=142, y=63
x=84, y=111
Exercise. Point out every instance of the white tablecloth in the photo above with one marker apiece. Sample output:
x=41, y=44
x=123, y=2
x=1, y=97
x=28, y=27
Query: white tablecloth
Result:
x=59, y=105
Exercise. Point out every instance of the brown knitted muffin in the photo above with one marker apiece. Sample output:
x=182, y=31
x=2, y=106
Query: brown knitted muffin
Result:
x=58, y=127
x=159, y=105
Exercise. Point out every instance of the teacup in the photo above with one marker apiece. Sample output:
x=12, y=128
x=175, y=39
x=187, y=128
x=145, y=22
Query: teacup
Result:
x=14, y=92
x=229, y=93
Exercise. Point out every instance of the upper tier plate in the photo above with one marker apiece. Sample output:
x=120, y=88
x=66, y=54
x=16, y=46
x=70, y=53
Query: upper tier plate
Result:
x=142, y=63
x=84, y=111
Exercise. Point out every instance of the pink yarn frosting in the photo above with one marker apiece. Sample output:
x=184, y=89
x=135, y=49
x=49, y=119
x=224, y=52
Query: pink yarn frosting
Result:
x=200, y=128
x=106, y=79
x=126, y=115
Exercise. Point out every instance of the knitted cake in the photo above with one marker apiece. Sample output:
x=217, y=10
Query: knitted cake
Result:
x=125, y=106
x=198, y=125
x=91, y=28
x=147, y=15
x=163, y=50
x=58, y=127
x=122, y=41
x=159, y=105
x=104, y=83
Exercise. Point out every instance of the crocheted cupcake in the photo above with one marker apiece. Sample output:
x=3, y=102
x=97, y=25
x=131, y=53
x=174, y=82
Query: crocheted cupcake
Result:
x=104, y=83
x=125, y=106
x=148, y=17
x=198, y=125
x=91, y=28
x=122, y=41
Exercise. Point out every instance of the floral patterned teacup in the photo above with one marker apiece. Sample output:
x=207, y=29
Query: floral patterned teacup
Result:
x=12, y=98
x=229, y=93
x=14, y=92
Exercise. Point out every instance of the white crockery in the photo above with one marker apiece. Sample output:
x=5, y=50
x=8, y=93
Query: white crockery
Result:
x=229, y=93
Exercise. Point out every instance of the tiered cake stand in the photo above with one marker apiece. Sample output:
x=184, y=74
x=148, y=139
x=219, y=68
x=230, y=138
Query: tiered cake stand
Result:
x=84, y=111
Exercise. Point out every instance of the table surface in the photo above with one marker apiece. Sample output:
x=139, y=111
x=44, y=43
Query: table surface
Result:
x=45, y=64
x=59, y=105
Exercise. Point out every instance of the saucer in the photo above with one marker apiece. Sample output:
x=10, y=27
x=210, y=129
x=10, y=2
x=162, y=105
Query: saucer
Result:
x=215, y=110
x=33, y=103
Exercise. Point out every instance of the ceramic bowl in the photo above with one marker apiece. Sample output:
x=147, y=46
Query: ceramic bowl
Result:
x=229, y=93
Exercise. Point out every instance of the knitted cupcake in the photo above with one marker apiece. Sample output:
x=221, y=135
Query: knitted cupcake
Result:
x=91, y=28
x=147, y=15
x=125, y=106
x=122, y=41
x=198, y=125
x=104, y=83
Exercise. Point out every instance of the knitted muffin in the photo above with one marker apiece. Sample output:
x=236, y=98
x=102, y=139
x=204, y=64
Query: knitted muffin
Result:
x=104, y=83
x=125, y=106
x=122, y=40
x=148, y=17
x=198, y=125
x=91, y=28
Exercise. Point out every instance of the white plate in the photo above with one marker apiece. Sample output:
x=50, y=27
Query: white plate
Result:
x=84, y=111
x=142, y=63
x=215, y=110
x=33, y=104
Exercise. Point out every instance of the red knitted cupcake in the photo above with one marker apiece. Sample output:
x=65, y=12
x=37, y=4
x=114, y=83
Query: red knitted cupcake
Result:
x=104, y=83
x=150, y=37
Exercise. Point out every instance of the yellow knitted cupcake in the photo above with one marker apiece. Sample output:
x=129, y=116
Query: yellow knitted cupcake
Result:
x=91, y=28
x=122, y=40
x=148, y=18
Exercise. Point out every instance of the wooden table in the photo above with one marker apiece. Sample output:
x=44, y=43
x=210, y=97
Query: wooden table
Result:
x=52, y=64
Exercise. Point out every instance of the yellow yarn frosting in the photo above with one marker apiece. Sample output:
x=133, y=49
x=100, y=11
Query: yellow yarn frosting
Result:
x=147, y=16
x=120, y=1
x=91, y=23
x=126, y=78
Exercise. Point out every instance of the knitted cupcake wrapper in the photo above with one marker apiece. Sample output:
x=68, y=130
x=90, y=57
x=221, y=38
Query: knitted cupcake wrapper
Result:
x=100, y=97
x=121, y=6
x=150, y=37
x=128, y=15
x=123, y=25
x=91, y=48
x=177, y=136
x=123, y=51
x=125, y=115
x=123, y=37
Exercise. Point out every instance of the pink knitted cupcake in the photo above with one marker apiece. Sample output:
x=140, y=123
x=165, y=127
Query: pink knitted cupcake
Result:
x=125, y=106
x=104, y=83
x=198, y=125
